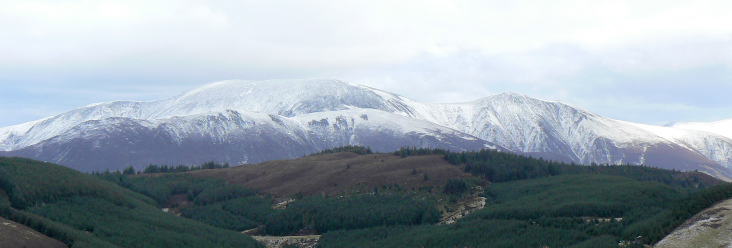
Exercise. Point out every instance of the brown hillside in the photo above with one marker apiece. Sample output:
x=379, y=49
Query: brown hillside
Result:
x=13, y=234
x=338, y=172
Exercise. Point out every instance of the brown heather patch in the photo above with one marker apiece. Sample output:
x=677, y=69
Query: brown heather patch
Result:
x=340, y=172
x=698, y=176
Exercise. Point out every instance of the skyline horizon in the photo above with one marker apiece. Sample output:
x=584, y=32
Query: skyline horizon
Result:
x=349, y=82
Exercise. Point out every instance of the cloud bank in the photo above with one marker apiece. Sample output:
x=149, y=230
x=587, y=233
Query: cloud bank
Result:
x=644, y=61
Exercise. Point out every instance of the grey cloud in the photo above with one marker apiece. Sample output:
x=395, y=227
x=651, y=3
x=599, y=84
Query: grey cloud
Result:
x=654, y=93
x=69, y=54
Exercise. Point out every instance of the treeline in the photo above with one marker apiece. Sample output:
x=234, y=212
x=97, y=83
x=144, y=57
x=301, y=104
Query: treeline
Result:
x=154, y=168
x=497, y=166
x=354, y=149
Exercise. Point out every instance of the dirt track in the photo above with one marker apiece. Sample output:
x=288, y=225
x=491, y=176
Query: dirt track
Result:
x=279, y=241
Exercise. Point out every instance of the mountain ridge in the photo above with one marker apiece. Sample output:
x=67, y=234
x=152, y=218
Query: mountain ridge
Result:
x=298, y=117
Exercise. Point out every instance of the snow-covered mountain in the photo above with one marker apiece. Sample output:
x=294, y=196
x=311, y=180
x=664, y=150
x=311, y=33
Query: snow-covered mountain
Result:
x=230, y=121
x=560, y=131
x=248, y=122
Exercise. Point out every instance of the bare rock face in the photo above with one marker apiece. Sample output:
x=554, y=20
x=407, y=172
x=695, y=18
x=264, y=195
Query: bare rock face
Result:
x=710, y=228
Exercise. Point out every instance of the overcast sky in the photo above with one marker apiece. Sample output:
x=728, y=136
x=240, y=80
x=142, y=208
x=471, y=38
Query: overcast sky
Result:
x=644, y=61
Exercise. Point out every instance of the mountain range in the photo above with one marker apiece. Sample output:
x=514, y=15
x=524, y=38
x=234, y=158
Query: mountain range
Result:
x=243, y=122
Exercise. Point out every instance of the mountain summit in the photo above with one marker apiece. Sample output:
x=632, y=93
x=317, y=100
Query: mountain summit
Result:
x=239, y=121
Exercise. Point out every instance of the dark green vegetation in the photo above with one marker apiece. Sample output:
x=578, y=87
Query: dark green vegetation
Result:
x=211, y=201
x=531, y=203
x=199, y=190
x=354, y=149
x=154, y=168
x=536, y=203
x=324, y=214
x=665, y=222
x=355, y=198
x=234, y=207
x=84, y=211
x=562, y=211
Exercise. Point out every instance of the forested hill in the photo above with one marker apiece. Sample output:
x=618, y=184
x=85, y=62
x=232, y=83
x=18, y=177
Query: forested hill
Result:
x=585, y=205
x=83, y=210
x=527, y=202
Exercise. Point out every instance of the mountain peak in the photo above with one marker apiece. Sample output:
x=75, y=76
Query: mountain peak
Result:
x=519, y=96
x=512, y=94
x=292, y=117
x=281, y=97
x=241, y=88
x=512, y=98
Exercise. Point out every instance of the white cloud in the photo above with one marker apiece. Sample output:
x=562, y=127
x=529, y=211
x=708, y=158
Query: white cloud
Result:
x=336, y=33
x=431, y=50
x=655, y=91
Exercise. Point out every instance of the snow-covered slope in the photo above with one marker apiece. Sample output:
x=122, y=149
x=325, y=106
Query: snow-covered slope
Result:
x=230, y=121
x=529, y=125
x=279, y=97
x=250, y=121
